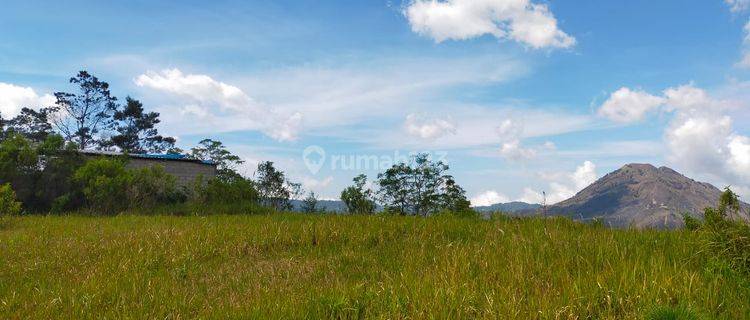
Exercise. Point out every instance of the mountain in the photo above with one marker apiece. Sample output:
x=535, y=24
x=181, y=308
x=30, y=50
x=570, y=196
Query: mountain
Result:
x=641, y=195
x=514, y=206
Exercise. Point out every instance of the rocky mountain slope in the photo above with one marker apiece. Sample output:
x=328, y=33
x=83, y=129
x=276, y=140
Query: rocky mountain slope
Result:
x=641, y=195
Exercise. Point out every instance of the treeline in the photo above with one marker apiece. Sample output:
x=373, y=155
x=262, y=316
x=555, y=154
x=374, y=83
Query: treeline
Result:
x=42, y=170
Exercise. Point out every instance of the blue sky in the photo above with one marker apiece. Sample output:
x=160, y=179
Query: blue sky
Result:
x=519, y=96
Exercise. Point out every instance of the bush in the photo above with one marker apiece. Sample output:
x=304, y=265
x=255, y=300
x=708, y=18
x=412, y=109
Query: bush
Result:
x=213, y=191
x=725, y=238
x=151, y=186
x=8, y=204
x=109, y=187
x=105, y=184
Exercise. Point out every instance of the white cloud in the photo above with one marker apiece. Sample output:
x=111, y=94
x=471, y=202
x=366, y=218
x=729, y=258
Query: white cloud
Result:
x=739, y=154
x=584, y=175
x=519, y=20
x=428, y=128
x=218, y=106
x=625, y=105
x=313, y=184
x=706, y=144
x=700, y=137
x=562, y=185
x=513, y=150
x=738, y=5
x=201, y=88
x=488, y=198
x=13, y=98
x=511, y=147
x=688, y=98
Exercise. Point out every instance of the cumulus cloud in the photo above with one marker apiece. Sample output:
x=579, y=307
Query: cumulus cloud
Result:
x=626, y=105
x=13, y=98
x=702, y=140
x=488, y=198
x=700, y=137
x=519, y=20
x=511, y=147
x=428, y=128
x=220, y=105
x=738, y=5
x=562, y=185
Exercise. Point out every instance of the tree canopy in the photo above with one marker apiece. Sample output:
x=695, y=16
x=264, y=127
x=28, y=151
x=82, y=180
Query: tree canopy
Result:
x=136, y=130
x=86, y=112
x=420, y=187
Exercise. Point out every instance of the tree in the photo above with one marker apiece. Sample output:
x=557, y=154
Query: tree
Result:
x=454, y=197
x=310, y=204
x=215, y=151
x=39, y=172
x=136, y=132
x=357, y=197
x=32, y=124
x=419, y=189
x=3, y=123
x=19, y=165
x=86, y=112
x=273, y=188
x=8, y=204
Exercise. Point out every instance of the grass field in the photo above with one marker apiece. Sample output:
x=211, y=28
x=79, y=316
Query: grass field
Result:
x=301, y=266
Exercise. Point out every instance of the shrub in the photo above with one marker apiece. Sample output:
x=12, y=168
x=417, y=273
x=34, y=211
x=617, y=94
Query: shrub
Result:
x=725, y=238
x=214, y=191
x=105, y=184
x=8, y=204
x=151, y=186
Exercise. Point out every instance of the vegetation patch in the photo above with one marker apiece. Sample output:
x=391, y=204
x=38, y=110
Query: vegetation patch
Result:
x=356, y=266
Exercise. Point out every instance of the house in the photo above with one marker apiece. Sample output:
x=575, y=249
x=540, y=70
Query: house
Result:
x=184, y=169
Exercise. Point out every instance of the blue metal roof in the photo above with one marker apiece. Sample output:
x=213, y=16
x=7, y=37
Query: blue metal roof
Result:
x=169, y=157
x=157, y=156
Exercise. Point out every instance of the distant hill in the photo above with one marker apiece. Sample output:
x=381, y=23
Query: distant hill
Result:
x=641, y=195
x=327, y=205
x=512, y=207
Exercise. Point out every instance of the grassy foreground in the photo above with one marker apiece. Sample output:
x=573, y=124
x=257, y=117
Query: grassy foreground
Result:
x=298, y=266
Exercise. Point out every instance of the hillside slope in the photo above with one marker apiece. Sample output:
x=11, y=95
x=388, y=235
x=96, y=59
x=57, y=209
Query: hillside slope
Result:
x=641, y=195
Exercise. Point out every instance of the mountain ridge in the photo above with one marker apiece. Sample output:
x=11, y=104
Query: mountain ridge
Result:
x=641, y=195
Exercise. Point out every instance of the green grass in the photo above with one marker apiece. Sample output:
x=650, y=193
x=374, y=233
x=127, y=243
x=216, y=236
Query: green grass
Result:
x=297, y=266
